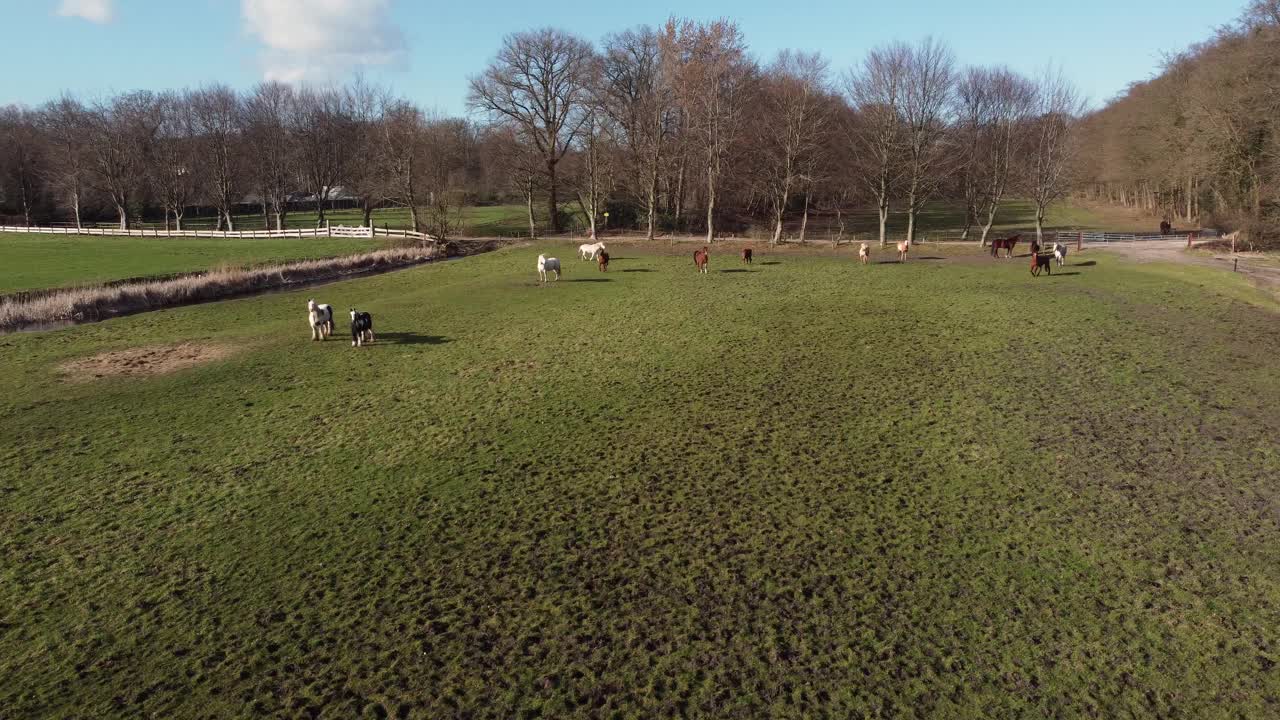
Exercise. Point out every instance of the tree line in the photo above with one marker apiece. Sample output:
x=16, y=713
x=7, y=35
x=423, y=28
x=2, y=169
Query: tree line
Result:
x=676, y=128
x=1198, y=143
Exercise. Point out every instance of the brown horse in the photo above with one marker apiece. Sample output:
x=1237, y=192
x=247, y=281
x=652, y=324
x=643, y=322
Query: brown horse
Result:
x=700, y=258
x=1165, y=227
x=1041, y=262
x=1005, y=244
x=602, y=261
x=746, y=255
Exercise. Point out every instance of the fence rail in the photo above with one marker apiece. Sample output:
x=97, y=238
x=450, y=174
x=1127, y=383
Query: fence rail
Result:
x=333, y=231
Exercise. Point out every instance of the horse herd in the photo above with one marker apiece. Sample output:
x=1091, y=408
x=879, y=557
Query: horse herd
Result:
x=320, y=316
x=1038, y=261
x=702, y=256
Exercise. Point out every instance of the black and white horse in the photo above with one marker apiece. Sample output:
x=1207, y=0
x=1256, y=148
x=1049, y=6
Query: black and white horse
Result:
x=320, y=318
x=361, y=328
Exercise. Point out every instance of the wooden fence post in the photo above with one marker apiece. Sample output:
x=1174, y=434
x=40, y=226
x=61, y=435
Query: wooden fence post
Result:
x=1079, y=241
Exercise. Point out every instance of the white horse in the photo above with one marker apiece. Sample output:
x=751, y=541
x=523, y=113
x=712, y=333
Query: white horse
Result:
x=545, y=265
x=320, y=318
x=864, y=254
x=1060, y=253
x=589, y=251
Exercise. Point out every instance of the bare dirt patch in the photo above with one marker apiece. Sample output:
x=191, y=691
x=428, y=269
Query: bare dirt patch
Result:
x=144, y=361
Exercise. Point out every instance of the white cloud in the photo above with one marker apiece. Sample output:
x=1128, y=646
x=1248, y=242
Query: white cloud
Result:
x=322, y=39
x=95, y=11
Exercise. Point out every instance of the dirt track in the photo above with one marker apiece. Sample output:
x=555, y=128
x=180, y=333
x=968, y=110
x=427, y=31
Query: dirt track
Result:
x=1261, y=270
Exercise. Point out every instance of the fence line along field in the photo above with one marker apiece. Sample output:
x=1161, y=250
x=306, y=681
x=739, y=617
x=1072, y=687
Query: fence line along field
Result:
x=804, y=487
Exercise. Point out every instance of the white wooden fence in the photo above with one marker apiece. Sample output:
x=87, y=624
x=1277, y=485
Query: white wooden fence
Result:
x=333, y=231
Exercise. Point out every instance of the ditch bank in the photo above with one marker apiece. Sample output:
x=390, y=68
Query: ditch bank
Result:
x=38, y=310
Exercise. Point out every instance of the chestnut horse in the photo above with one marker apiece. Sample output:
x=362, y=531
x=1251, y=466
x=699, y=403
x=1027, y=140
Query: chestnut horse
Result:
x=746, y=255
x=602, y=260
x=700, y=258
x=1005, y=244
x=903, y=247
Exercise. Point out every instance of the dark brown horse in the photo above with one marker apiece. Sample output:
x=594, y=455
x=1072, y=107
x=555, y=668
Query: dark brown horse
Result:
x=602, y=261
x=1041, y=262
x=1005, y=244
x=746, y=255
x=700, y=258
x=1165, y=227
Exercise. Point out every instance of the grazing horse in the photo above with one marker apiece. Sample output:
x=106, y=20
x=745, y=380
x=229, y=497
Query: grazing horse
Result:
x=1060, y=253
x=1165, y=227
x=700, y=258
x=1041, y=262
x=746, y=256
x=320, y=318
x=602, y=261
x=546, y=265
x=903, y=247
x=864, y=254
x=589, y=251
x=361, y=328
x=1006, y=244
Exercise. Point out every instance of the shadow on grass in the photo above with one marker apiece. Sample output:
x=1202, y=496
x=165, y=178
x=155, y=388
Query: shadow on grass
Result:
x=638, y=270
x=1062, y=274
x=771, y=262
x=929, y=257
x=738, y=270
x=589, y=280
x=408, y=338
x=1091, y=263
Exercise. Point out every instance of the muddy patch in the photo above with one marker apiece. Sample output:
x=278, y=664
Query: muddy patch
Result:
x=144, y=361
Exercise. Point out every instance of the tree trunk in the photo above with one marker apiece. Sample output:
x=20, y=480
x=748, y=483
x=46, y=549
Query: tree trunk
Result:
x=528, y=198
x=368, y=213
x=75, y=206
x=320, y=207
x=1039, y=224
x=413, y=217
x=884, y=218
x=679, y=194
x=124, y=216
x=177, y=220
x=552, y=201
x=804, y=220
x=653, y=202
x=711, y=207
x=231, y=224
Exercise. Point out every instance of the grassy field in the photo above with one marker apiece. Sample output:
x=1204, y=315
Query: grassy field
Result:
x=40, y=261
x=45, y=261
x=804, y=489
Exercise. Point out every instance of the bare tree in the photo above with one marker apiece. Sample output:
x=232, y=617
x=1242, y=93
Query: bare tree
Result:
x=521, y=164
x=1057, y=106
x=711, y=76
x=363, y=177
x=876, y=131
x=592, y=168
x=172, y=166
x=797, y=115
x=401, y=139
x=121, y=132
x=216, y=116
x=324, y=129
x=268, y=119
x=66, y=127
x=992, y=109
x=20, y=155
x=929, y=81
x=538, y=83
x=637, y=98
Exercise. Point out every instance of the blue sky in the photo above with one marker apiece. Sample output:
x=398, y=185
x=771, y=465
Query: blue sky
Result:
x=426, y=50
